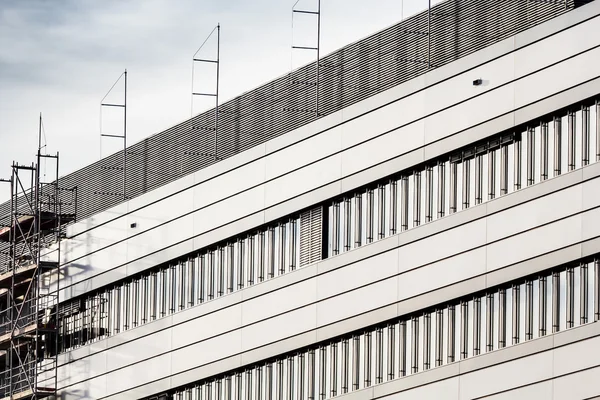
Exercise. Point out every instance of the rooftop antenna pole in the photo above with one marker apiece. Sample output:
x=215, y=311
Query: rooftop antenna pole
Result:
x=124, y=135
x=429, y=34
x=214, y=94
x=317, y=13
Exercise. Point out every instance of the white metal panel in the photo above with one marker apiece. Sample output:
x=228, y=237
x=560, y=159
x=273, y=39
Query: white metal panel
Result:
x=277, y=302
x=520, y=372
x=447, y=389
x=558, y=77
x=535, y=213
x=530, y=244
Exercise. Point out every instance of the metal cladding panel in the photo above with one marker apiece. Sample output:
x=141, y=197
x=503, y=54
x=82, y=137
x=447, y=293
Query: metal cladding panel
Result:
x=347, y=76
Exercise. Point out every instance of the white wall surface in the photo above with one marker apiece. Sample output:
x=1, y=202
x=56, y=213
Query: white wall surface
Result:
x=390, y=273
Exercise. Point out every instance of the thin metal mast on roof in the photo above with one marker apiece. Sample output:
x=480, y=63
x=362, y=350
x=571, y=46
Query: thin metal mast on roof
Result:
x=316, y=48
x=214, y=94
x=117, y=136
x=420, y=33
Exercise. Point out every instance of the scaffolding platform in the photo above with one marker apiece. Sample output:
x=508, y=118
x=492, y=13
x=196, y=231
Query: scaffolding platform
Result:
x=25, y=273
x=48, y=221
x=40, y=393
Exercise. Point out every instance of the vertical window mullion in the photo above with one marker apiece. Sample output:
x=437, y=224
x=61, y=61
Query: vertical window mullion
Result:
x=379, y=355
x=393, y=207
x=358, y=220
x=210, y=293
x=428, y=194
x=381, y=211
x=280, y=380
x=417, y=199
x=502, y=315
x=518, y=162
x=293, y=241
x=230, y=267
x=414, y=344
x=202, y=279
x=221, y=268
x=583, y=293
x=356, y=362
x=145, y=298
x=250, y=259
x=335, y=228
x=282, y=247
x=585, y=135
x=311, y=374
x=402, y=348
x=191, y=295
x=173, y=288
x=182, y=276
x=301, y=375
x=555, y=302
x=439, y=337
x=597, y=269
x=391, y=351
x=571, y=141
x=370, y=215
x=489, y=340
x=261, y=256
x=334, y=369
x=404, y=200
x=530, y=156
x=557, y=145
x=367, y=361
x=464, y=329
x=453, y=198
x=323, y=372
x=451, y=333
x=441, y=193
x=515, y=313
x=476, y=325
x=345, y=365
x=466, y=194
x=478, y=179
x=426, y=341
x=544, y=151
x=347, y=224
x=570, y=298
x=240, y=263
x=503, y=170
x=597, y=130
x=529, y=314
x=543, y=301
x=290, y=378
x=491, y=174
x=271, y=252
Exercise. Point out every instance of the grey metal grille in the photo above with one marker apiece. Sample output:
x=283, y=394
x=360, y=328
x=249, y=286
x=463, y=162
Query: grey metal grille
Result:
x=351, y=74
x=311, y=232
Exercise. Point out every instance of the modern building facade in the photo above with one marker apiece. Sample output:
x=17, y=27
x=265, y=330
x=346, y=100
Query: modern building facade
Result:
x=432, y=230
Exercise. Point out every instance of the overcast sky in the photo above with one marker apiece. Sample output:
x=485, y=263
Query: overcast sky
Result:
x=60, y=58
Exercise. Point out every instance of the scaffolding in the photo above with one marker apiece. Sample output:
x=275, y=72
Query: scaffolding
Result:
x=29, y=279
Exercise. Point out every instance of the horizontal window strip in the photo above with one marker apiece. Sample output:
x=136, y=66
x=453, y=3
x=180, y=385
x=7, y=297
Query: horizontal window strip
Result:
x=552, y=301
